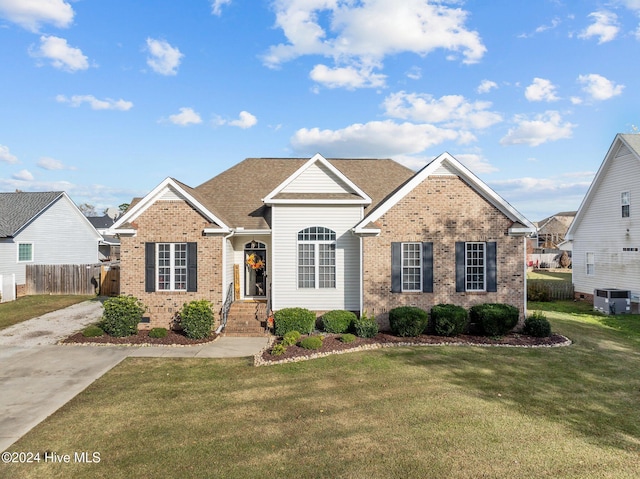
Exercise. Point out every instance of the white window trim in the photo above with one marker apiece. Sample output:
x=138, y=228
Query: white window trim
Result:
x=623, y=203
x=18, y=252
x=586, y=264
x=484, y=266
x=316, y=262
x=402, y=288
x=172, y=267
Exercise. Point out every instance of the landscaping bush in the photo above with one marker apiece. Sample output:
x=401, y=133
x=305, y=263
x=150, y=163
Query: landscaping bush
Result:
x=158, y=333
x=408, y=321
x=347, y=338
x=494, y=319
x=196, y=319
x=538, y=291
x=278, y=349
x=537, y=325
x=291, y=338
x=449, y=319
x=121, y=316
x=294, y=319
x=337, y=321
x=311, y=342
x=365, y=327
x=92, y=331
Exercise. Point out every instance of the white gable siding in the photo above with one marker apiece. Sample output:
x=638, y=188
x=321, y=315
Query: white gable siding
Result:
x=59, y=235
x=287, y=222
x=605, y=233
x=317, y=179
x=443, y=170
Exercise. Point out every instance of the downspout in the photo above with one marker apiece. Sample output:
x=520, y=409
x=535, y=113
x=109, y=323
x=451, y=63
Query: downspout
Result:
x=224, y=270
x=525, y=276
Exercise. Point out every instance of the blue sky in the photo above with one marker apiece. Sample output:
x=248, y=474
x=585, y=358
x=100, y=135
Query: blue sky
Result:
x=105, y=99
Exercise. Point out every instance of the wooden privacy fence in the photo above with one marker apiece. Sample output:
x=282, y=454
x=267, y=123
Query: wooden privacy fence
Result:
x=73, y=279
x=547, y=290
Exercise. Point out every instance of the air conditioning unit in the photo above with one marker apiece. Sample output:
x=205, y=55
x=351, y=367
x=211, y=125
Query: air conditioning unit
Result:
x=612, y=301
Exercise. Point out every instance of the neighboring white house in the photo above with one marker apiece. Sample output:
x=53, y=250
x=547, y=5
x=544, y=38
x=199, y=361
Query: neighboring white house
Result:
x=606, y=229
x=42, y=228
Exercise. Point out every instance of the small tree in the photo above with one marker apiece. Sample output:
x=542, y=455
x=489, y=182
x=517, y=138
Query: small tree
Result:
x=565, y=261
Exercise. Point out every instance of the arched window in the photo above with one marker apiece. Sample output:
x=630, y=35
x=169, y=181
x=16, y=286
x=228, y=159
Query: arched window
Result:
x=316, y=258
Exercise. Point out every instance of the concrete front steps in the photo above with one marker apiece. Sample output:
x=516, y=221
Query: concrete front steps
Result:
x=246, y=318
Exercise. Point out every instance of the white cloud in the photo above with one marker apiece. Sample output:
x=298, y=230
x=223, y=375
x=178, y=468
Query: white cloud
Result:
x=373, y=139
x=363, y=33
x=163, y=58
x=476, y=163
x=348, y=77
x=414, y=73
x=541, y=90
x=47, y=163
x=23, y=175
x=599, y=87
x=30, y=14
x=6, y=156
x=605, y=27
x=486, y=86
x=187, y=116
x=244, y=121
x=451, y=110
x=216, y=6
x=95, y=103
x=61, y=55
x=543, y=128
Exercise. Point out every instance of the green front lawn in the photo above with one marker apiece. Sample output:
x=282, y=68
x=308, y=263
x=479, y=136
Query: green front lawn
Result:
x=455, y=412
x=27, y=307
x=551, y=275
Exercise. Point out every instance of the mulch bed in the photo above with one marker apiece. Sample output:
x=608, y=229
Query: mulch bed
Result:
x=173, y=338
x=332, y=344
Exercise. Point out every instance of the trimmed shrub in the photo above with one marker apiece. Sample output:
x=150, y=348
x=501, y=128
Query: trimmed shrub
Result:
x=294, y=319
x=538, y=291
x=449, y=319
x=408, y=321
x=347, y=338
x=196, y=319
x=158, y=333
x=494, y=319
x=365, y=327
x=311, y=342
x=121, y=316
x=337, y=321
x=291, y=338
x=92, y=331
x=537, y=325
x=278, y=349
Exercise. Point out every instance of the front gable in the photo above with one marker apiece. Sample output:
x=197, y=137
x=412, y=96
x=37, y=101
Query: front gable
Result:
x=317, y=182
x=169, y=190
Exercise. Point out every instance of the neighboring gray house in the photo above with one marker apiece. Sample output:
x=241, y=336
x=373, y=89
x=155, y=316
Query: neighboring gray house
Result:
x=606, y=229
x=41, y=228
x=109, y=247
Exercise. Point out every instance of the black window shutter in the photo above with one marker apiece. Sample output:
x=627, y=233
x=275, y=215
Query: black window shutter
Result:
x=396, y=267
x=492, y=267
x=427, y=267
x=149, y=267
x=192, y=267
x=460, y=267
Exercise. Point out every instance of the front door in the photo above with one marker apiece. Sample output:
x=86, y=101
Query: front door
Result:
x=255, y=269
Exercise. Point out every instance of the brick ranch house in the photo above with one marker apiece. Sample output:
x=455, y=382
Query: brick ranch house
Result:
x=355, y=234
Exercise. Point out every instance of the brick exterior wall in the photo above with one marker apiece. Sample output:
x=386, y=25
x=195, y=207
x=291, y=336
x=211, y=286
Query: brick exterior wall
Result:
x=171, y=222
x=442, y=210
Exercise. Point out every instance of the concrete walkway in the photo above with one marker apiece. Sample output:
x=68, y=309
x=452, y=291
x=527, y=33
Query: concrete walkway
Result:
x=38, y=376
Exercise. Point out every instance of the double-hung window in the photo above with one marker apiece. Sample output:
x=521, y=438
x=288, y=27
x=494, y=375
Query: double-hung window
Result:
x=172, y=266
x=25, y=252
x=411, y=267
x=316, y=258
x=625, y=203
x=475, y=266
x=591, y=264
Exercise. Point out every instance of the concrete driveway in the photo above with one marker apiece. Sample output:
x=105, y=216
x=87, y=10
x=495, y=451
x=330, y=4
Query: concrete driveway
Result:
x=38, y=376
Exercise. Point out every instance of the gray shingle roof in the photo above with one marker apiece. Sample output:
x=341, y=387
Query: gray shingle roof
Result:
x=633, y=140
x=17, y=209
